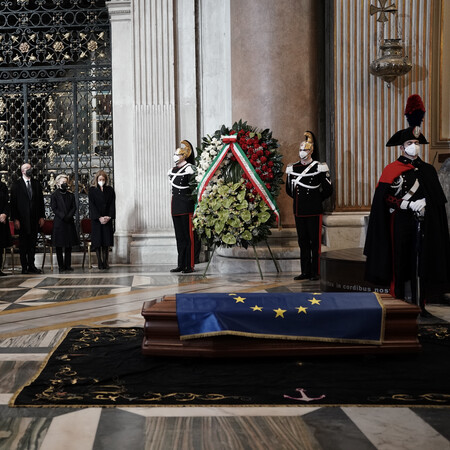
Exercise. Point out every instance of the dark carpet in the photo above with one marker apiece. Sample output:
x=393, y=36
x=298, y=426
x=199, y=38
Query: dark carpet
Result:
x=104, y=367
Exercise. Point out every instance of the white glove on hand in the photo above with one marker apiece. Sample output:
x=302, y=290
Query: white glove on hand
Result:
x=418, y=205
x=289, y=169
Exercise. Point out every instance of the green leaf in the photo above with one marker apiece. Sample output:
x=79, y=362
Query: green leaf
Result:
x=263, y=216
x=247, y=235
x=229, y=239
x=218, y=227
x=243, y=205
x=246, y=215
x=228, y=202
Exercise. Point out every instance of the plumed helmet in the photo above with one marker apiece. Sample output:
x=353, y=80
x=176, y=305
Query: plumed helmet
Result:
x=309, y=143
x=186, y=152
x=414, y=112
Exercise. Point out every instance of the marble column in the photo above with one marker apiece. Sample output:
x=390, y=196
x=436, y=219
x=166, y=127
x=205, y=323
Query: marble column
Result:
x=144, y=127
x=214, y=65
x=275, y=72
x=123, y=119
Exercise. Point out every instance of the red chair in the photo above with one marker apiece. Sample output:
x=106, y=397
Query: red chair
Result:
x=14, y=245
x=86, y=229
x=46, y=235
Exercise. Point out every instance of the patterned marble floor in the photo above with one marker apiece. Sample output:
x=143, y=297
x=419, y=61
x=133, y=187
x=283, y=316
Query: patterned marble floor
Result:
x=35, y=311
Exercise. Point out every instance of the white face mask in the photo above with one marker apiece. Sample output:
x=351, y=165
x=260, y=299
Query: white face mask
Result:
x=412, y=149
x=101, y=183
x=303, y=154
x=177, y=158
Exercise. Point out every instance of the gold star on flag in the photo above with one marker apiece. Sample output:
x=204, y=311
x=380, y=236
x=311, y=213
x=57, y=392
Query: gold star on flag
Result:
x=314, y=301
x=239, y=299
x=280, y=312
x=301, y=309
x=256, y=308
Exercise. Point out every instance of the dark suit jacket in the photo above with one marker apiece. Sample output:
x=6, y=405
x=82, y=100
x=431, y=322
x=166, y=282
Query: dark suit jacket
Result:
x=5, y=234
x=64, y=230
x=27, y=211
x=102, y=203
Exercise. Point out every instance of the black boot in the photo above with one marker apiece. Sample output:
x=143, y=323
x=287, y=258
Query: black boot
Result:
x=105, y=257
x=98, y=252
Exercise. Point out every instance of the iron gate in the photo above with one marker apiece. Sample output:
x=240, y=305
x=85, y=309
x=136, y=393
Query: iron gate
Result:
x=55, y=92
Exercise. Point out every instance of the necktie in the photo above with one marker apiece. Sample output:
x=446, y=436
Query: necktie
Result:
x=30, y=192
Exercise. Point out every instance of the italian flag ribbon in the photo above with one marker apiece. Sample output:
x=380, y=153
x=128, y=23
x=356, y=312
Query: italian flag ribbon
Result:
x=231, y=144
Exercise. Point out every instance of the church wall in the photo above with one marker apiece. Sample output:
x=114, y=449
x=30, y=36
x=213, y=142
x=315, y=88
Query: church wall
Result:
x=275, y=73
x=181, y=69
x=368, y=110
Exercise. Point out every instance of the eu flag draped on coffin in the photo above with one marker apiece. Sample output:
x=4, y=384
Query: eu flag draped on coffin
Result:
x=337, y=317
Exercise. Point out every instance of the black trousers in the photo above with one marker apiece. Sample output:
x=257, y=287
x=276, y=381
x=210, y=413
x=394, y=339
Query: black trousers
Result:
x=64, y=262
x=27, y=249
x=309, y=233
x=406, y=248
x=184, y=234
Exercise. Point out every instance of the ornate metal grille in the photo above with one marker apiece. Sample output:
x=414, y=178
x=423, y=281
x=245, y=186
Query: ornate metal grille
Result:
x=55, y=92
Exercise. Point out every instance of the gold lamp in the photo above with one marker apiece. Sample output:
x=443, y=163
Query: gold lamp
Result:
x=392, y=63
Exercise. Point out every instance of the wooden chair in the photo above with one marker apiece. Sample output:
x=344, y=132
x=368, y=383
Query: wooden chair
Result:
x=14, y=246
x=86, y=228
x=46, y=236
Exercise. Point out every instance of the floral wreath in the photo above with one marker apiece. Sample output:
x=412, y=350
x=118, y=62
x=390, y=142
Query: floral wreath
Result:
x=239, y=173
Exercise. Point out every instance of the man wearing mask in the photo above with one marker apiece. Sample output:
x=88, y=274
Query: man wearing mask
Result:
x=28, y=213
x=309, y=184
x=407, y=242
x=183, y=206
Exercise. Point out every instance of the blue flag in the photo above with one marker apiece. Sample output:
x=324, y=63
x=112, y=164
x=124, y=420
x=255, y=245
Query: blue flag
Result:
x=316, y=316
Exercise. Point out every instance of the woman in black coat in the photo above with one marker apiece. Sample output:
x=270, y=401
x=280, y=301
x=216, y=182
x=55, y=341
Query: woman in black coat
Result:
x=64, y=235
x=102, y=211
x=5, y=232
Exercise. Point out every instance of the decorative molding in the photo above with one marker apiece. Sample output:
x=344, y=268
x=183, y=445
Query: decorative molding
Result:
x=367, y=111
x=118, y=8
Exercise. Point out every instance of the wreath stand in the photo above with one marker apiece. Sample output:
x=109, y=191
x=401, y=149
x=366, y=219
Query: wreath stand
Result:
x=277, y=266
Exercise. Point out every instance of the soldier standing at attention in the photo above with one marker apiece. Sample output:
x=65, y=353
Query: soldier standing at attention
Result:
x=309, y=184
x=183, y=207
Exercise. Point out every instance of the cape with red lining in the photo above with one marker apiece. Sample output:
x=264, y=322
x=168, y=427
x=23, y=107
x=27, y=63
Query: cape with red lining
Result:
x=436, y=244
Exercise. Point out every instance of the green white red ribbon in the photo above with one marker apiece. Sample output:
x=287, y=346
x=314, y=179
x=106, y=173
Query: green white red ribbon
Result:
x=231, y=144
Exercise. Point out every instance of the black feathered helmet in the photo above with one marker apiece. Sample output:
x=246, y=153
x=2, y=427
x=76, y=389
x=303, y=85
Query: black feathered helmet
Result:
x=414, y=112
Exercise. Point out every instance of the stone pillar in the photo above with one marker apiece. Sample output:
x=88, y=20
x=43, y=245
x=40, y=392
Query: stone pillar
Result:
x=186, y=72
x=214, y=65
x=123, y=113
x=154, y=131
x=275, y=72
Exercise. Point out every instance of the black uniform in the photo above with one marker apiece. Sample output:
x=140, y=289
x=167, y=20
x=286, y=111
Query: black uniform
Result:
x=182, y=210
x=64, y=233
x=397, y=239
x=28, y=208
x=309, y=185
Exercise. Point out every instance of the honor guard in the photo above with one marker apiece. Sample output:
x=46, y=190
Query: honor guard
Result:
x=183, y=206
x=407, y=242
x=309, y=184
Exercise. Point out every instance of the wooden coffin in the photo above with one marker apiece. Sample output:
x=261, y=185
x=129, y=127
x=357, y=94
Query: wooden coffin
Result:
x=162, y=336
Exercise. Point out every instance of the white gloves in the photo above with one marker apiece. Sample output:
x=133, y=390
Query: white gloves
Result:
x=289, y=169
x=418, y=205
